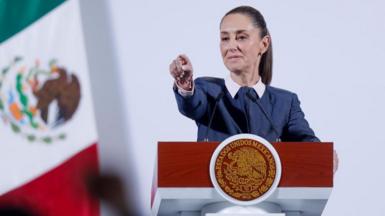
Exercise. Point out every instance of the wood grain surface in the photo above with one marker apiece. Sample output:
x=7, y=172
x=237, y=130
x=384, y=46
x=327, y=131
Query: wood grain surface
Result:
x=186, y=164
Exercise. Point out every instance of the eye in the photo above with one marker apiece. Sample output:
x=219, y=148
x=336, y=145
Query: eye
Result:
x=224, y=38
x=242, y=37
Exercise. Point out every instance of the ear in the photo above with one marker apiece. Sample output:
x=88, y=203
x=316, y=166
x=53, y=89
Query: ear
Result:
x=265, y=43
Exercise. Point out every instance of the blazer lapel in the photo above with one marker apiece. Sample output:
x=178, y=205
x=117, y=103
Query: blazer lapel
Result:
x=265, y=102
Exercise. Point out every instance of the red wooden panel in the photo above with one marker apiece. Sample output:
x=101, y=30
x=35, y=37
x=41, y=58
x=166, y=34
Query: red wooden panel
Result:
x=186, y=164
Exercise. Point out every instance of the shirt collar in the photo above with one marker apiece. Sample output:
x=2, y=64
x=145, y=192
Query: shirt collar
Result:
x=233, y=87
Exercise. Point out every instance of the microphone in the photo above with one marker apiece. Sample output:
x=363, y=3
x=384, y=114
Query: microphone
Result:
x=255, y=100
x=219, y=97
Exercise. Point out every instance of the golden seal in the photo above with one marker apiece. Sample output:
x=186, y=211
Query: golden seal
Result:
x=245, y=169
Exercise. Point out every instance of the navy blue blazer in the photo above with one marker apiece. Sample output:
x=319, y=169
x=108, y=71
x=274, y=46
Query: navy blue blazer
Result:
x=277, y=114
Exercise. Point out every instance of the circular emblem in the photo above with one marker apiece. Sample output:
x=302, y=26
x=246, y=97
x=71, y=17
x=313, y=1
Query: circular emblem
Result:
x=245, y=169
x=37, y=99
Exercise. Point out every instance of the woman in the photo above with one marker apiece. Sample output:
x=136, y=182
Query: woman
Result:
x=244, y=102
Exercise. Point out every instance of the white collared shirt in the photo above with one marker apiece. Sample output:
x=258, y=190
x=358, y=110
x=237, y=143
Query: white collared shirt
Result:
x=234, y=87
x=231, y=86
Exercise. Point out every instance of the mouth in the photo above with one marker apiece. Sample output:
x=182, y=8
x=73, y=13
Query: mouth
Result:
x=234, y=57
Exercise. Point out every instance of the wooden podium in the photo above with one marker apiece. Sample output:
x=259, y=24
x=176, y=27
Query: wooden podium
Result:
x=182, y=183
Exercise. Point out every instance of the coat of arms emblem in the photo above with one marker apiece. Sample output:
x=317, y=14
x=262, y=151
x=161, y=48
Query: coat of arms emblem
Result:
x=245, y=169
x=37, y=99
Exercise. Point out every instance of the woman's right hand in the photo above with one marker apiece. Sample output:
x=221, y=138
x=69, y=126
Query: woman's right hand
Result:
x=182, y=71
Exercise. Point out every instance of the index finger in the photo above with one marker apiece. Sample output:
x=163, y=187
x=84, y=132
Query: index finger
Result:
x=184, y=58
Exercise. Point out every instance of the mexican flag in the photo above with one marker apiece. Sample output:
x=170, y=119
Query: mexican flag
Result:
x=47, y=128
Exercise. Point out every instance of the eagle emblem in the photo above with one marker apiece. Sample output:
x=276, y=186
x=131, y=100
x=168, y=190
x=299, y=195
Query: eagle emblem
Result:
x=245, y=169
x=34, y=99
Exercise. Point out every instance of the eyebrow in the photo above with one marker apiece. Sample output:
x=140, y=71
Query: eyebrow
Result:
x=237, y=31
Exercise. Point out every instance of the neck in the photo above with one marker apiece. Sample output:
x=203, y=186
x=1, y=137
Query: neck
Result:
x=245, y=78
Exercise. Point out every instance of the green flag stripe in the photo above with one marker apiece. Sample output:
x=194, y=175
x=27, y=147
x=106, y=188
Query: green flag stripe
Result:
x=15, y=15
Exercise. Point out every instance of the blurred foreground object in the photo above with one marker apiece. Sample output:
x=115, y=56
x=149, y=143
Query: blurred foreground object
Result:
x=110, y=189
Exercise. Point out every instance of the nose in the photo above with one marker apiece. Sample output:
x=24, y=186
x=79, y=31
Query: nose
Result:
x=232, y=45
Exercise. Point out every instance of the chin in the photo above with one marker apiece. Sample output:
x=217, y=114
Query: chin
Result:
x=234, y=68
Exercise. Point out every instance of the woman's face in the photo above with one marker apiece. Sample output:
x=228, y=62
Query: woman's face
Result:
x=241, y=43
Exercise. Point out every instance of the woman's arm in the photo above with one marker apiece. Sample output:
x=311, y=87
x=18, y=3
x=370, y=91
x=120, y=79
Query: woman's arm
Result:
x=193, y=106
x=297, y=128
x=190, y=95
